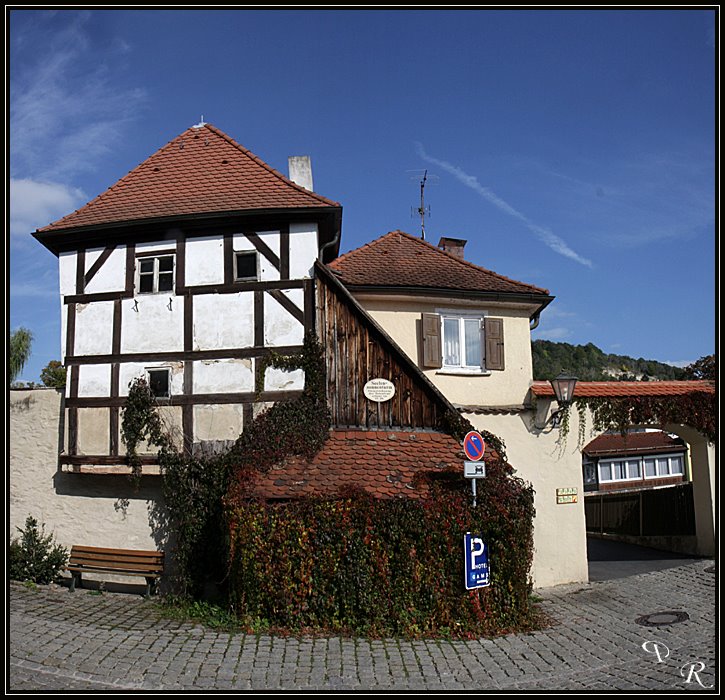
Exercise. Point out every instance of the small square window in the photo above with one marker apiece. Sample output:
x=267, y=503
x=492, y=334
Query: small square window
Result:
x=159, y=382
x=245, y=266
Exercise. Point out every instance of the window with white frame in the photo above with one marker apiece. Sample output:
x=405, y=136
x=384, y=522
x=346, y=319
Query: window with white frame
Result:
x=155, y=274
x=462, y=346
x=619, y=470
x=665, y=465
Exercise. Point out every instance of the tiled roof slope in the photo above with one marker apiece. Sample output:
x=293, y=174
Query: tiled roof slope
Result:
x=398, y=259
x=201, y=171
x=602, y=389
x=383, y=463
x=633, y=443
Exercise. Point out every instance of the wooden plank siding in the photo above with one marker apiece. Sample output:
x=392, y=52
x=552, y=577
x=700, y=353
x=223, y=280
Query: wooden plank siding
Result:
x=357, y=350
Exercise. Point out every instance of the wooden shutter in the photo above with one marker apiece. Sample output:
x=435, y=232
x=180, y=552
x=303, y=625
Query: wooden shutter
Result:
x=431, y=337
x=493, y=333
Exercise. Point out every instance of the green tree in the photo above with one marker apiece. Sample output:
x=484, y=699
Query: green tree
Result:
x=54, y=375
x=21, y=342
x=704, y=368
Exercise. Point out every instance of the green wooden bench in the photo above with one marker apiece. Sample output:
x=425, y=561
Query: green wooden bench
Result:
x=126, y=562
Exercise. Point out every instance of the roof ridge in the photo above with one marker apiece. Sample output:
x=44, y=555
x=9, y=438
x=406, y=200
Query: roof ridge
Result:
x=479, y=268
x=267, y=166
x=436, y=249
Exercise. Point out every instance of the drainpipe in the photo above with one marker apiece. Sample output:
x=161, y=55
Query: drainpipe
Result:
x=334, y=241
x=535, y=321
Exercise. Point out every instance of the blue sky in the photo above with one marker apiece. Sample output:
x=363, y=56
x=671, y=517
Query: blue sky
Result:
x=573, y=149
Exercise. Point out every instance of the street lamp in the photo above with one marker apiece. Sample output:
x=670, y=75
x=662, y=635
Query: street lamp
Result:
x=563, y=386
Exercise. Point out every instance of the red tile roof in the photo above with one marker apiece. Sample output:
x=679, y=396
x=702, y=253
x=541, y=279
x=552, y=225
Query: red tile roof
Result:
x=603, y=389
x=633, y=443
x=398, y=259
x=201, y=171
x=383, y=463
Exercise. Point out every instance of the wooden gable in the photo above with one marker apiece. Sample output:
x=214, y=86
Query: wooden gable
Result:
x=357, y=350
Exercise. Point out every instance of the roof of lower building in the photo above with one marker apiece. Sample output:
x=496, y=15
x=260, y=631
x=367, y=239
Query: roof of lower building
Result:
x=399, y=260
x=613, y=389
x=384, y=463
x=201, y=171
x=616, y=444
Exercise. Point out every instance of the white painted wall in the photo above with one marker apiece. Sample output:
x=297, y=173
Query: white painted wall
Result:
x=151, y=323
x=111, y=275
x=128, y=371
x=223, y=376
x=204, y=260
x=303, y=250
x=94, y=328
x=223, y=321
x=280, y=327
x=281, y=380
x=94, y=380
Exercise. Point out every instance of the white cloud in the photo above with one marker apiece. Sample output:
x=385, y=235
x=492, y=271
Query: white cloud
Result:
x=545, y=235
x=34, y=204
x=66, y=112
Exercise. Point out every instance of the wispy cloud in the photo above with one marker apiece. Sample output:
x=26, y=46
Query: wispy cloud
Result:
x=65, y=111
x=545, y=235
x=34, y=204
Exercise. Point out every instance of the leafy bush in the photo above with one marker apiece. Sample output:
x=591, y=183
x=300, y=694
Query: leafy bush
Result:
x=361, y=565
x=34, y=557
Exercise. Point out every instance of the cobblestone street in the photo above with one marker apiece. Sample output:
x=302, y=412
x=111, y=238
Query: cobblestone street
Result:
x=87, y=641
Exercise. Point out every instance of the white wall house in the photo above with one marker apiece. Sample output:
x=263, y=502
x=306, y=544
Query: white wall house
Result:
x=186, y=272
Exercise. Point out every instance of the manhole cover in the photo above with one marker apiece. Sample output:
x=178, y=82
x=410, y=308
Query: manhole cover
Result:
x=659, y=619
x=710, y=570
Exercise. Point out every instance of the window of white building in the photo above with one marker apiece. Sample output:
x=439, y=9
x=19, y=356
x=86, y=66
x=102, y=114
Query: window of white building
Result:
x=155, y=274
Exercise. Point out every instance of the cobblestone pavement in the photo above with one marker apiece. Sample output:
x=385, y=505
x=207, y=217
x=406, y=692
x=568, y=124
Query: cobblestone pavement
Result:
x=87, y=641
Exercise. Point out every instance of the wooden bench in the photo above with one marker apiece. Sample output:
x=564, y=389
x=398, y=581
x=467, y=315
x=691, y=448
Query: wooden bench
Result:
x=127, y=562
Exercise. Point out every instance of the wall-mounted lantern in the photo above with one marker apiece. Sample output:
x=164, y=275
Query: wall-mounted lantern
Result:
x=563, y=386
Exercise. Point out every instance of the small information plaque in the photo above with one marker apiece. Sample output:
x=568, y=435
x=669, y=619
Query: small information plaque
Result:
x=568, y=495
x=379, y=390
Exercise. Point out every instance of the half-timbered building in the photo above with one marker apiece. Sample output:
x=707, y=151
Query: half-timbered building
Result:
x=187, y=271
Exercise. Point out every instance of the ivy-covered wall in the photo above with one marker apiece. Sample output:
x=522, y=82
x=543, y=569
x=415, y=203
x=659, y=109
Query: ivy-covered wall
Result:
x=356, y=564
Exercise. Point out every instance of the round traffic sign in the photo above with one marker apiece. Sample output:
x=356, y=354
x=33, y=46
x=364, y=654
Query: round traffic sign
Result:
x=474, y=445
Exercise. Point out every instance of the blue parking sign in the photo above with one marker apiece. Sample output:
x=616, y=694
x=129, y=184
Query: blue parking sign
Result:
x=476, y=557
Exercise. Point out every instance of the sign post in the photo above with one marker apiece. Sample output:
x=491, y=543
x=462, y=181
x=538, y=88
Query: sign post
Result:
x=474, y=446
x=476, y=558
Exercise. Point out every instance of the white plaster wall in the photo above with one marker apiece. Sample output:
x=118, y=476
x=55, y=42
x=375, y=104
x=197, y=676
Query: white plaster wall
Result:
x=76, y=508
x=223, y=321
x=217, y=422
x=153, y=246
x=67, y=273
x=303, y=250
x=128, y=371
x=111, y=276
x=149, y=325
x=401, y=320
x=204, y=260
x=94, y=380
x=94, y=328
x=560, y=554
x=280, y=327
x=281, y=380
x=223, y=376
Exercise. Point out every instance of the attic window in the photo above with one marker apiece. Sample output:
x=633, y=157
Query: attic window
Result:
x=245, y=266
x=155, y=274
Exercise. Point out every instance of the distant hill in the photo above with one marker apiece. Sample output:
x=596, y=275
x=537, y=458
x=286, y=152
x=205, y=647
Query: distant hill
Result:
x=589, y=363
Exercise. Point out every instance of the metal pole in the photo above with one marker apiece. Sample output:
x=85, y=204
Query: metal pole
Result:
x=473, y=488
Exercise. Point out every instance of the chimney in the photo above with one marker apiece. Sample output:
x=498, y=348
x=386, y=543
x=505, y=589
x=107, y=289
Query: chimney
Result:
x=454, y=246
x=300, y=171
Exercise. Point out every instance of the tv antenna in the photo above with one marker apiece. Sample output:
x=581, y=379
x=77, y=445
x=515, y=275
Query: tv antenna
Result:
x=423, y=210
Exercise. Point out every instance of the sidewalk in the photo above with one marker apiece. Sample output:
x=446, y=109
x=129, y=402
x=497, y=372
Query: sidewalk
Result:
x=86, y=641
